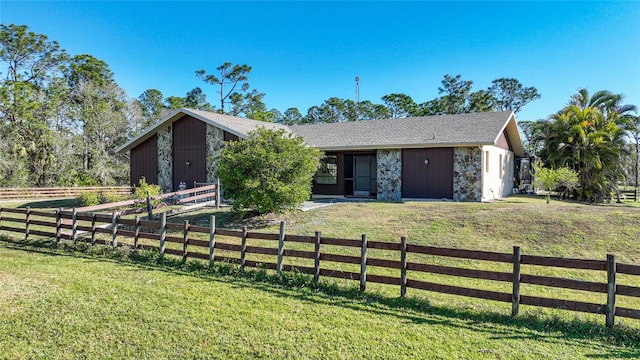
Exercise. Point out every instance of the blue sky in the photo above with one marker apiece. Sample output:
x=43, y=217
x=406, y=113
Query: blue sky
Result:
x=305, y=52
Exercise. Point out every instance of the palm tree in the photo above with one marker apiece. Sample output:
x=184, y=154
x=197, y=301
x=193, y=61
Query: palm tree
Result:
x=588, y=137
x=634, y=133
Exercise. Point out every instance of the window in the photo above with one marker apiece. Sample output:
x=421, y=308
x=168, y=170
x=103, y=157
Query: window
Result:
x=501, y=166
x=486, y=161
x=327, y=174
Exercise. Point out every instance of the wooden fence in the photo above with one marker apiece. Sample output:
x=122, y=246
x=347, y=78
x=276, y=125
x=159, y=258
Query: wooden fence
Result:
x=208, y=193
x=630, y=195
x=164, y=233
x=58, y=192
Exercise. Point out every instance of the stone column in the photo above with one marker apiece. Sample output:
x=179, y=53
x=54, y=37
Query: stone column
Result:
x=467, y=174
x=215, y=142
x=389, y=174
x=165, y=159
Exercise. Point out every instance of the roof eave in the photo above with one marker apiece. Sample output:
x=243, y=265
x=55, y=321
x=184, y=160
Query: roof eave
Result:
x=511, y=126
x=150, y=131
x=396, y=146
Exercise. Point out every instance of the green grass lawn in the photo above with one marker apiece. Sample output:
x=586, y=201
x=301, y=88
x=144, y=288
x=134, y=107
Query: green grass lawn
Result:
x=57, y=305
x=65, y=303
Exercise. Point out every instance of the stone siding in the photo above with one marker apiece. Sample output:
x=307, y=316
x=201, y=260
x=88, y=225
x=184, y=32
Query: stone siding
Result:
x=165, y=159
x=467, y=174
x=215, y=142
x=389, y=174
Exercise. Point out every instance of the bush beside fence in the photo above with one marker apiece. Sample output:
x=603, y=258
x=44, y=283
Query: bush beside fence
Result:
x=114, y=227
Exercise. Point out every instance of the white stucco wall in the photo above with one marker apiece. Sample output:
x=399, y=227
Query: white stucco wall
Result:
x=497, y=174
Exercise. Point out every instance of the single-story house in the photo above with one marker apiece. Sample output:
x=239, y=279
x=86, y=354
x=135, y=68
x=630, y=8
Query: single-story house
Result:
x=462, y=157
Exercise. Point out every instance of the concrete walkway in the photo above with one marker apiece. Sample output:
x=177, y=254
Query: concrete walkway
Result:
x=314, y=204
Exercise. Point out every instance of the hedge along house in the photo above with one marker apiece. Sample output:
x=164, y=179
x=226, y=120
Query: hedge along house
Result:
x=182, y=146
x=463, y=157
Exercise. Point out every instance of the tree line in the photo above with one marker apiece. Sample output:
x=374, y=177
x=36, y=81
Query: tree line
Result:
x=238, y=99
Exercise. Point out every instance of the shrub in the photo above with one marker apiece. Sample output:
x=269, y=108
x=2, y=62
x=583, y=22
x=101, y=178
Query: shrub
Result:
x=109, y=197
x=268, y=172
x=140, y=192
x=553, y=179
x=89, y=198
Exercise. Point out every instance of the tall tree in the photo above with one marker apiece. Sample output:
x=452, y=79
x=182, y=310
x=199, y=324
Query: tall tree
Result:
x=370, y=111
x=481, y=101
x=400, y=105
x=456, y=92
x=102, y=111
x=151, y=104
x=196, y=99
x=32, y=62
x=292, y=116
x=249, y=105
x=228, y=80
x=634, y=135
x=313, y=116
x=333, y=110
x=88, y=79
x=509, y=94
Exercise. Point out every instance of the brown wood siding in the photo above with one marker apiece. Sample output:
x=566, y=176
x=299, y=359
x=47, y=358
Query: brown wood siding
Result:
x=144, y=161
x=432, y=181
x=189, y=151
x=230, y=137
x=503, y=142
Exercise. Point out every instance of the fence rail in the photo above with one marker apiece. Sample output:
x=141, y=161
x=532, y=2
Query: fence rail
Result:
x=630, y=195
x=41, y=192
x=112, y=225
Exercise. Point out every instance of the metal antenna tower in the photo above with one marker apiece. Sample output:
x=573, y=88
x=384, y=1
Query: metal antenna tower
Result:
x=357, y=89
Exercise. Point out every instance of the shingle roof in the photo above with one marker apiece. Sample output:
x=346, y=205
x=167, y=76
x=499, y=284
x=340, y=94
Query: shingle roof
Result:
x=235, y=125
x=425, y=131
x=232, y=124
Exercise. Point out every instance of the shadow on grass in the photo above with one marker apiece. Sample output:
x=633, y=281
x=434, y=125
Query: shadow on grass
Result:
x=51, y=203
x=621, y=342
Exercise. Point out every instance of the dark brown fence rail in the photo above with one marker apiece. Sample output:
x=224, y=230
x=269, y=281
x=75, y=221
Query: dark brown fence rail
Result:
x=53, y=192
x=630, y=195
x=128, y=232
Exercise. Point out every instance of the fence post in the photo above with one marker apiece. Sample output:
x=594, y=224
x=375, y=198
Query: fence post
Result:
x=185, y=240
x=93, y=228
x=136, y=232
x=611, y=290
x=217, y=193
x=163, y=232
x=27, y=220
x=212, y=240
x=280, y=248
x=403, y=266
x=74, y=226
x=149, y=206
x=316, y=256
x=58, y=224
x=363, y=264
x=114, y=230
x=243, y=248
x=515, y=299
x=0, y=217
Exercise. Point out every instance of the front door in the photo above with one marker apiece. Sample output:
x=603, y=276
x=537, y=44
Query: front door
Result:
x=365, y=175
